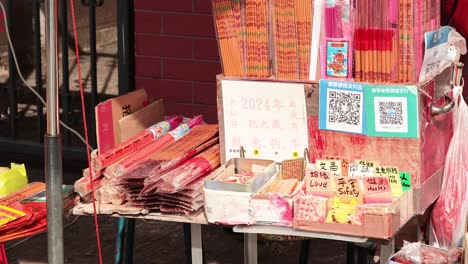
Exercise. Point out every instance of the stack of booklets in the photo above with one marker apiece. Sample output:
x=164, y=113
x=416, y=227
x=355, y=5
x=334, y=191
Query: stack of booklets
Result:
x=24, y=212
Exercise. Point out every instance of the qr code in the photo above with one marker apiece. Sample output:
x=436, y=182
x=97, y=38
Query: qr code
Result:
x=344, y=108
x=391, y=113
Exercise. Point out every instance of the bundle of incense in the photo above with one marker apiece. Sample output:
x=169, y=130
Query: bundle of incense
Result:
x=156, y=145
x=304, y=36
x=286, y=53
x=95, y=174
x=257, y=40
x=227, y=19
x=197, y=137
x=83, y=185
x=134, y=144
x=337, y=40
x=375, y=46
x=150, y=182
x=195, y=168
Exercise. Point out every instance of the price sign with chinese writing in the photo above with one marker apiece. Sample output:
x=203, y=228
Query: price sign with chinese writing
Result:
x=267, y=118
x=347, y=189
x=405, y=180
x=367, y=163
x=319, y=182
x=374, y=185
x=393, y=176
x=377, y=190
x=360, y=171
x=333, y=166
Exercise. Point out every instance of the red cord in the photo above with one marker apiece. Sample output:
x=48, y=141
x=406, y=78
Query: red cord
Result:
x=83, y=110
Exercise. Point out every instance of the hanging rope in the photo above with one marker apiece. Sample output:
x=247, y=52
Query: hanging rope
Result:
x=83, y=110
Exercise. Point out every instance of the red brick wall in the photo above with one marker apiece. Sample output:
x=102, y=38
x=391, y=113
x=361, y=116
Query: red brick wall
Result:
x=177, y=55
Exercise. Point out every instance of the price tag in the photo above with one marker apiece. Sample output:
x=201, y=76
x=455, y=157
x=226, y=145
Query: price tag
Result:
x=405, y=181
x=319, y=183
x=347, y=189
x=395, y=184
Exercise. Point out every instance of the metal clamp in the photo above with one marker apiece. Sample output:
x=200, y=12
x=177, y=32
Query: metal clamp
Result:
x=94, y=2
x=435, y=110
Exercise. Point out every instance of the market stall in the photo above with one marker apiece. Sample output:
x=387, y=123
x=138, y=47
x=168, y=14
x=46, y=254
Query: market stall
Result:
x=334, y=128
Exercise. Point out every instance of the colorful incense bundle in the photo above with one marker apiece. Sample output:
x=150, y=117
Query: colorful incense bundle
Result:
x=304, y=36
x=144, y=153
x=228, y=29
x=257, y=32
x=132, y=145
x=286, y=47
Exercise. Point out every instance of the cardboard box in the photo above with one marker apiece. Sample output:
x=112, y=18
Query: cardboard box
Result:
x=382, y=221
x=108, y=114
x=237, y=206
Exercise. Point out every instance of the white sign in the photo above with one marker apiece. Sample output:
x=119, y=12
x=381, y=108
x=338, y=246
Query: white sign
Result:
x=267, y=118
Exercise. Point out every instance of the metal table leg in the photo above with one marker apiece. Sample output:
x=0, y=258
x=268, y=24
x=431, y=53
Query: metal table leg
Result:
x=387, y=250
x=250, y=248
x=130, y=240
x=197, y=250
x=120, y=240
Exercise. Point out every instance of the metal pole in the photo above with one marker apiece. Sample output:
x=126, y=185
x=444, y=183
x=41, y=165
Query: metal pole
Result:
x=93, y=50
x=53, y=143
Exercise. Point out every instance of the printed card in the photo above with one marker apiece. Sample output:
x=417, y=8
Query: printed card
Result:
x=342, y=106
x=310, y=208
x=337, y=59
x=391, y=111
x=292, y=169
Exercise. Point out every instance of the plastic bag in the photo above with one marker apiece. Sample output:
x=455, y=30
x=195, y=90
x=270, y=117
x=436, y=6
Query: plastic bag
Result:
x=417, y=253
x=450, y=210
x=12, y=179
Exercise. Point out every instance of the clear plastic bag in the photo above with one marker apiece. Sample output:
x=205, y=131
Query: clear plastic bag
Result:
x=450, y=210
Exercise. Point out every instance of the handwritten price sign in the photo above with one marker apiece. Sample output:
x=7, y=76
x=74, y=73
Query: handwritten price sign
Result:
x=347, y=189
x=319, y=183
x=377, y=190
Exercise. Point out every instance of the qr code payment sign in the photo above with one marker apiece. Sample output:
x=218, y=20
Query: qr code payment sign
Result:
x=391, y=114
x=344, y=110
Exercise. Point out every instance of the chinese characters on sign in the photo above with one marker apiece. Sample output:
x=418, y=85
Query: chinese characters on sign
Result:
x=267, y=121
